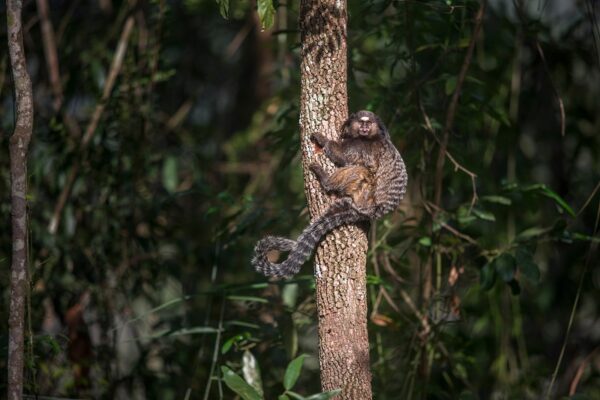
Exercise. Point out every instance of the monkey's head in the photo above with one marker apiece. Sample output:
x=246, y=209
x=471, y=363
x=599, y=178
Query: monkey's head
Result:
x=363, y=125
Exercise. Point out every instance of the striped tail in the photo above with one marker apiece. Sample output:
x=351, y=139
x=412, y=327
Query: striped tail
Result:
x=301, y=249
x=391, y=181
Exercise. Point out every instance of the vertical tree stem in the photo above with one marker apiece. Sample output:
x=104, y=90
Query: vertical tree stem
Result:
x=340, y=265
x=19, y=143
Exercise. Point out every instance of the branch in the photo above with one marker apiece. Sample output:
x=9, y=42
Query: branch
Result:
x=457, y=166
x=450, y=115
x=19, y=144
x=50, y=52
x=561, y=106
x=115, y=69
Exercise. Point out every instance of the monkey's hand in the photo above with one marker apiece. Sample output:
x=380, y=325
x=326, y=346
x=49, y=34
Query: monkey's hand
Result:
x=319, y=139
x=332, y=149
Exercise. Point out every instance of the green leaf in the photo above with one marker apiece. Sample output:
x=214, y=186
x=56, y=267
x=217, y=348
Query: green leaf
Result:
x=247, y=298
x=238, y=385
x=290, y=336
x=497, y=199
x=243, y=324
x=487, y=276
x=485, y=215
x=296, y=396
x=227, y=345
x=224, y=8
x=450, y=85
x=464, y=217
x=531, y=233
x=233, y=340
x=506, y=267
x=559, y=200
x=582, y=236
x=266, y=13
x=293, y=372
x=283, y=397
x=464, y=42
x=546, y=191
x=169, y=174
x=289, y=295
x=425, y=241
x=527, y=267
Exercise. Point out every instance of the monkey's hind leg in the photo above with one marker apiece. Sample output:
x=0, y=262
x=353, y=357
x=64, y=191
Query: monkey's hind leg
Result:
x=322, y=177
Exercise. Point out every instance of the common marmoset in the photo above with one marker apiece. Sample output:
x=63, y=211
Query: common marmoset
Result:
x=370, y=182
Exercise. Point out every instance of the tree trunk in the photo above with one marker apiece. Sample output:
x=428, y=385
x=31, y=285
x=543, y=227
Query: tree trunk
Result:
x=341, y=258
x=19, y=142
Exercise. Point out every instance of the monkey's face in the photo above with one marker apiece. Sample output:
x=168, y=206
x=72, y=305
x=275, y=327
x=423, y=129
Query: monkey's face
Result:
x=363, y=125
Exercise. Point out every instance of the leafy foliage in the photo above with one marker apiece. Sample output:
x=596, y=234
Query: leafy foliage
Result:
x=146, y=288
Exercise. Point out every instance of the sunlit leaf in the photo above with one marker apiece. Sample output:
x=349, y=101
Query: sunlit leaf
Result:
x=238, y=385
x=531, y=233
x=497, y=199
x=292, y=372
x=224, y=8
x=170, y=175
x=485, y=215
x=425, y=241
x=266, y=13
x=289, y=295
x=233, y=340
x=251, y=371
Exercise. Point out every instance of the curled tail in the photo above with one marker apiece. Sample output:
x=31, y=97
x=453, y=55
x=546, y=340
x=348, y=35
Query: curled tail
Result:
x=301, y=249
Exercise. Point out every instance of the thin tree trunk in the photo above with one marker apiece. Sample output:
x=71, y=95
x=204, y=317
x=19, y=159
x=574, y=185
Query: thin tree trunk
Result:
x=19, y=142
x=341, y=257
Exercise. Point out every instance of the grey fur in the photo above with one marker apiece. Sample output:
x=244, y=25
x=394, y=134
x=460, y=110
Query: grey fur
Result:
x=364, y=153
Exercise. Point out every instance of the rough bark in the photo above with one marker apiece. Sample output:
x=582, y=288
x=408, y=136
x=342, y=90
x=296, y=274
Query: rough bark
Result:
x=19, y=143
x=341, y=258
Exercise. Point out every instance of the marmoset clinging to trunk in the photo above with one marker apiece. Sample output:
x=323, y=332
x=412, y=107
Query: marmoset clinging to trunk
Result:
x=370, y=182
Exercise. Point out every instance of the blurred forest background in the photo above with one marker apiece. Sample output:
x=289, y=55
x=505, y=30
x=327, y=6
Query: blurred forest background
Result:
x=140, y=281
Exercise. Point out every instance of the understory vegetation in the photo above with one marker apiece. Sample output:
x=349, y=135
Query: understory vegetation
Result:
x=151, y=177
